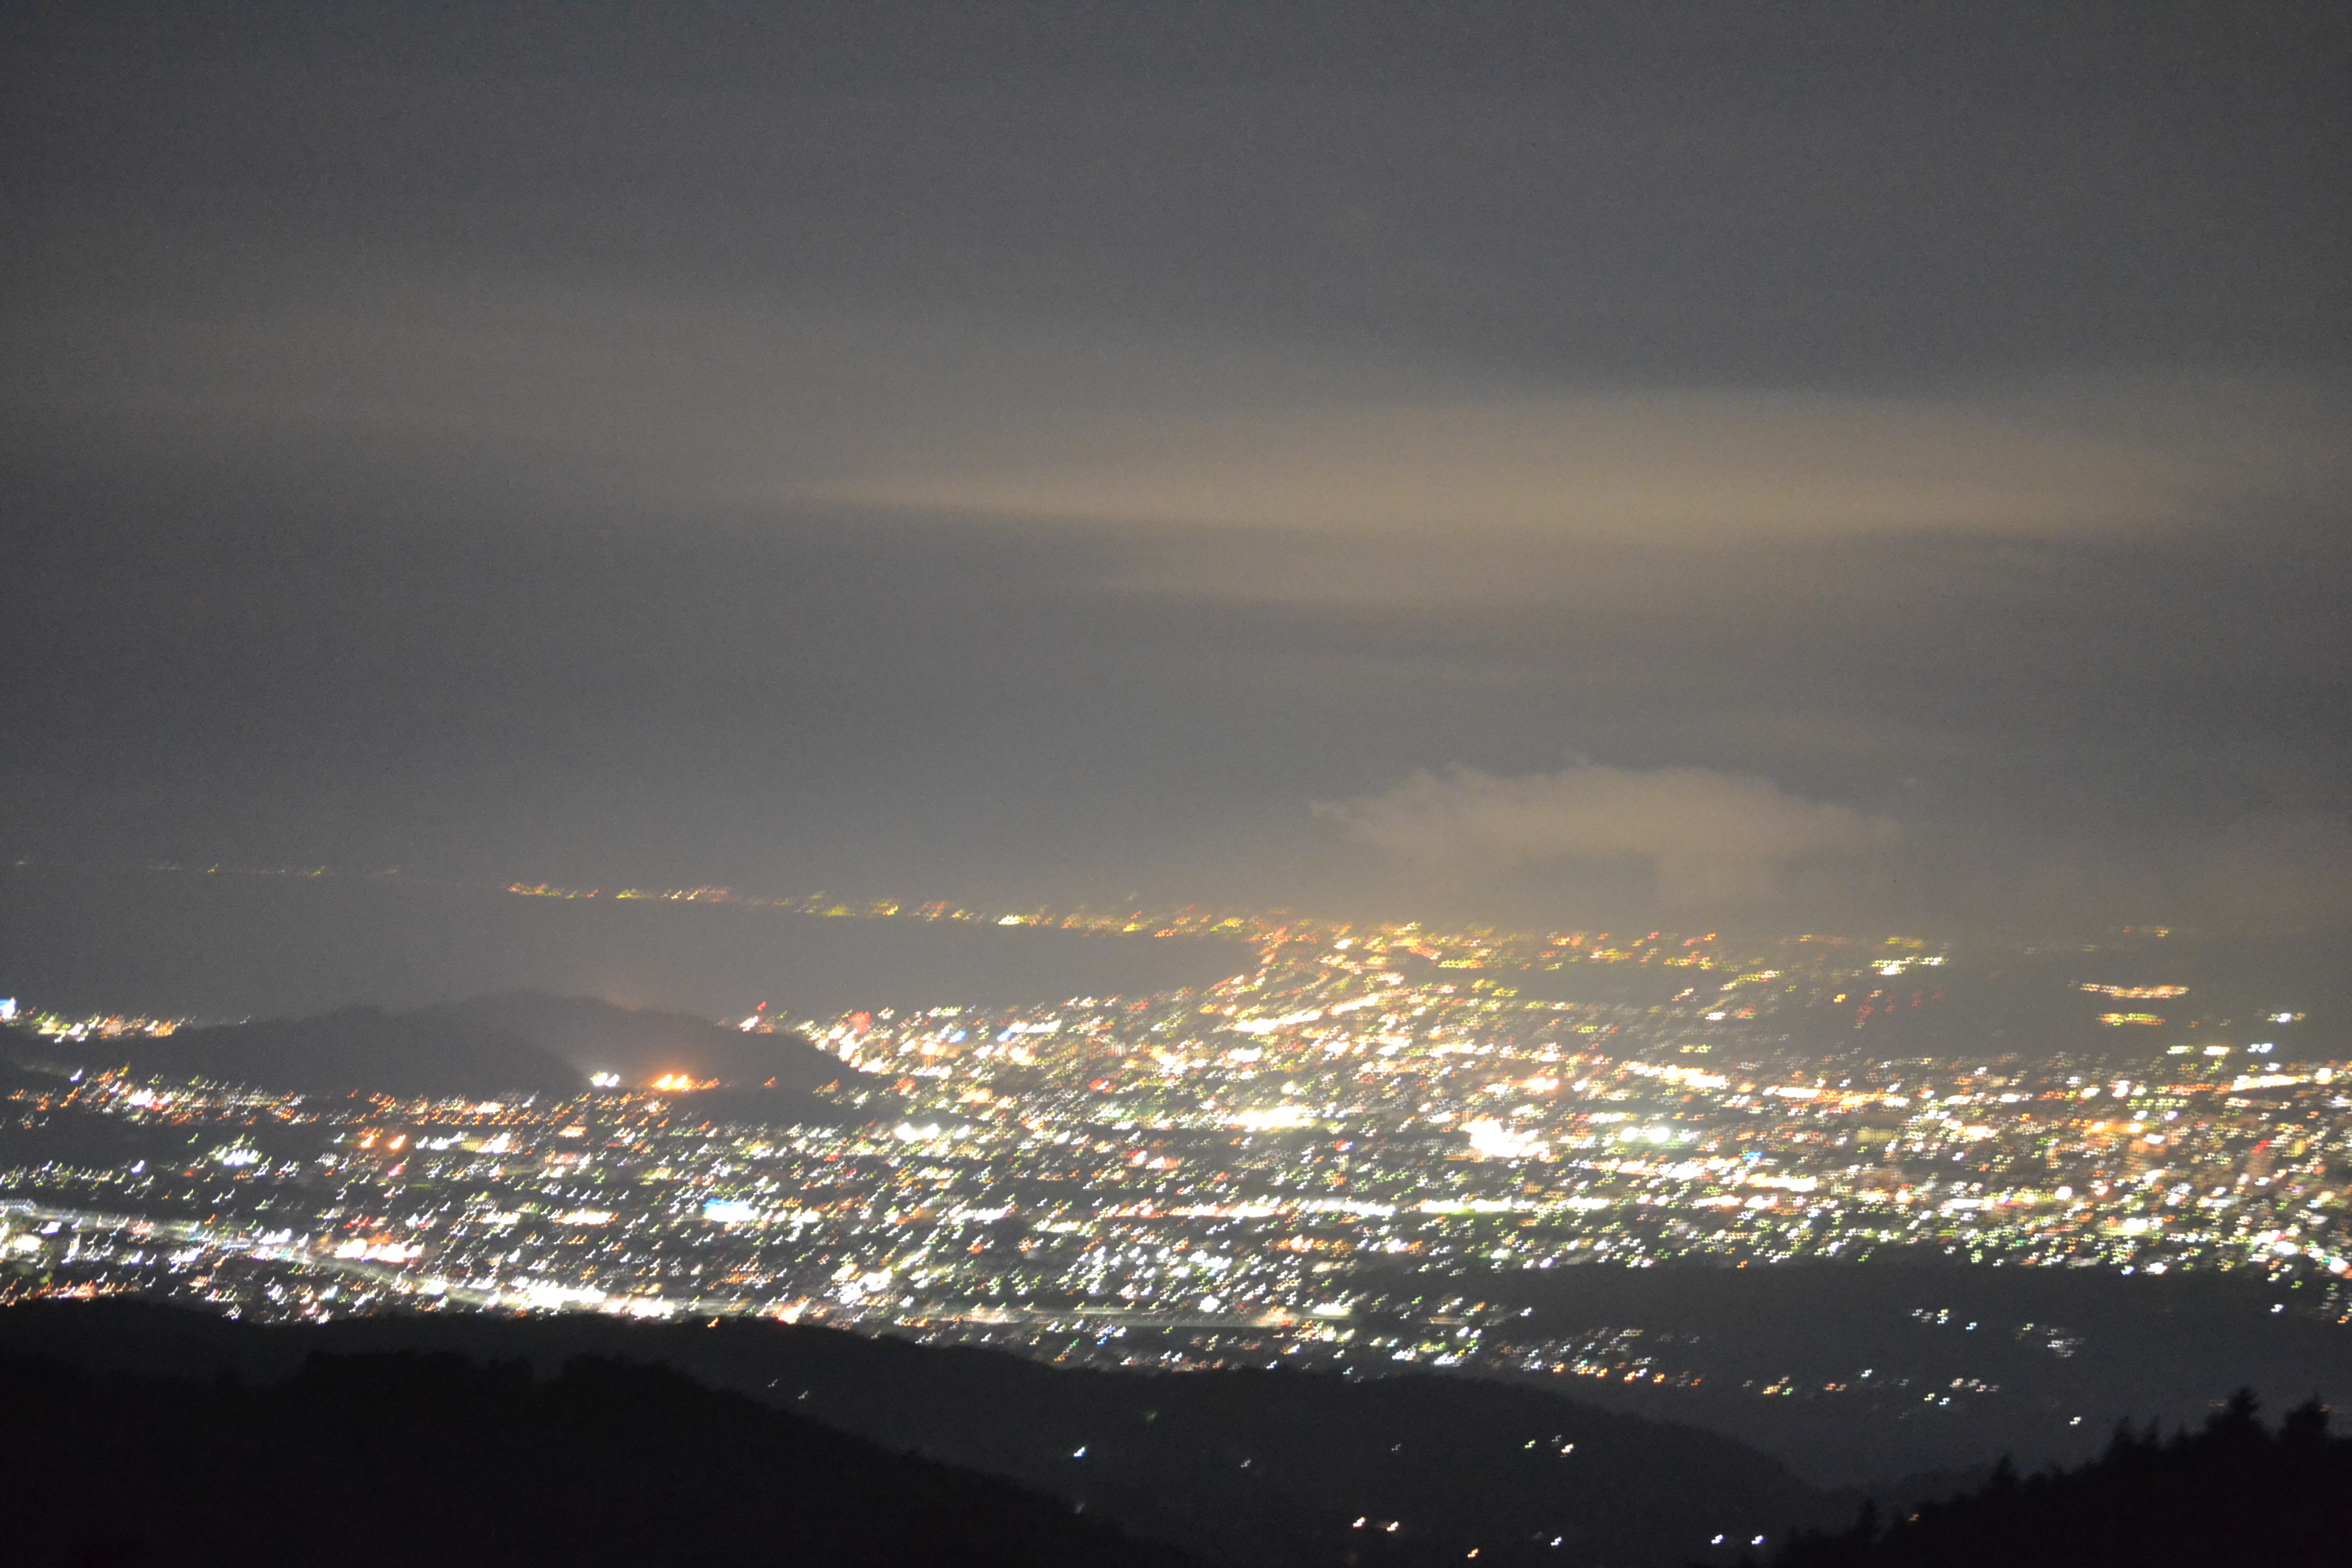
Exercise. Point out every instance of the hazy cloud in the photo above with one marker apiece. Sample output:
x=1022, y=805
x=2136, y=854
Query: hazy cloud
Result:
x=1034, y=458
x=2279, y=871
x=754, y=403
x=1677, y=465
x=1714, y=838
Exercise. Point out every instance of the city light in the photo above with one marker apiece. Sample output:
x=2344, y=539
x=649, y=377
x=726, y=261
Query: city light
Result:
x=1179, y=1173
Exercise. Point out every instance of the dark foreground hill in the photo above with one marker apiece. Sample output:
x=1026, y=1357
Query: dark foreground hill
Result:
x=2037, y=1363
x=407, y=1459
x=2233, y=1492
x=1245, y=1467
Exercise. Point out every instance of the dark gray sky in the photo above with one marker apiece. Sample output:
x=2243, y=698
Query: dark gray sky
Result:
x=1872, y=465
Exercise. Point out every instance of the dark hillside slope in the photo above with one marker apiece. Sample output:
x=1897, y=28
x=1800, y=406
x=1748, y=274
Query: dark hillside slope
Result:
x=1274, y=1466
x=407, y=1459
x=2038, y=1363
x=14, y=1074
x=353, y=1050
x=2230, y=1493
x=520, y=1043
x=1247, y=1467
x=597, y=1036
x=766, y=1079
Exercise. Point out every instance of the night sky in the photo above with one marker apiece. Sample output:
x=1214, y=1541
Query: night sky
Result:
x=1786, y=467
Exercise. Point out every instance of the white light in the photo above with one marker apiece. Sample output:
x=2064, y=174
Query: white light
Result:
x=1277, y=1117
x=1493, y=1140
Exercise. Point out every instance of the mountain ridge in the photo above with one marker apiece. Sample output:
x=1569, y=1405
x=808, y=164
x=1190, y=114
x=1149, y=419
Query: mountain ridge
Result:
x=403, y=1457
x=1248, y=1469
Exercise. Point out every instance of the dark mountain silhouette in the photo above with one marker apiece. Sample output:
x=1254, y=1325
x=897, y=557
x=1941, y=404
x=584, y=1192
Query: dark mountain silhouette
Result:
x=1244, y=1468
x=15, y=1074
x=353, y=1051
x=764, y=1078
x=404, y=1458
x=518, y=1043
x=599, y=1038
x=2232, y=1492
x=2052, y=1357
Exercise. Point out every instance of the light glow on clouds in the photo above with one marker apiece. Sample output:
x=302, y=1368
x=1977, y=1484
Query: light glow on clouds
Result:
x=749, y=402
x=1712, y=836
x=1673, y=467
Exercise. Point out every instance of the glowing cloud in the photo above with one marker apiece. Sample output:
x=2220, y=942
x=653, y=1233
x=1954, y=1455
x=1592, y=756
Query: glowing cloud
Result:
x=1710, y=836
x=1662, y=466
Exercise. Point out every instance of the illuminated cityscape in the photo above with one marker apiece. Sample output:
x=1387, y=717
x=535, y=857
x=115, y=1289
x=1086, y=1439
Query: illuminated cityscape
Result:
x=1329, y=1158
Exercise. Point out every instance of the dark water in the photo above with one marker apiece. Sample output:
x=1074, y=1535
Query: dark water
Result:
x=231, y=946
